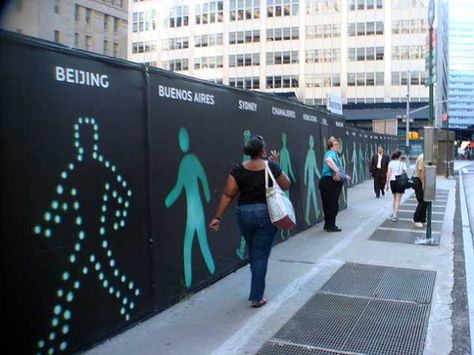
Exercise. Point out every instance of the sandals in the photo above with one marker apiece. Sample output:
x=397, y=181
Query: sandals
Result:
x=258, y=304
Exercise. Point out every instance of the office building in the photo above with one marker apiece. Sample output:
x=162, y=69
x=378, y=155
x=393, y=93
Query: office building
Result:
x=94, y=25
x=461, y=65
x=362, y=50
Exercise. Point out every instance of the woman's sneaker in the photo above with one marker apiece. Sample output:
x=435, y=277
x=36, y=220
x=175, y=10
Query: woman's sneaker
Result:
x=394, y=218
x=418, y=224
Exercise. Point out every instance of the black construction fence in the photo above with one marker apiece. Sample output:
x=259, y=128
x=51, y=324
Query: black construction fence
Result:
x=110, y=173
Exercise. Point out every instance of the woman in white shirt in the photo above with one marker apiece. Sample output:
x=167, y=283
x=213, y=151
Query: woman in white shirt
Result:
x=395, y=167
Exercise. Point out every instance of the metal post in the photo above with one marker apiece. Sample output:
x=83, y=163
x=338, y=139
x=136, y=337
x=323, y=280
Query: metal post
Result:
x=430, y=78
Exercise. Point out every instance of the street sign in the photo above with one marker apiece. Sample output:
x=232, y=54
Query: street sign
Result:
x=404, y=120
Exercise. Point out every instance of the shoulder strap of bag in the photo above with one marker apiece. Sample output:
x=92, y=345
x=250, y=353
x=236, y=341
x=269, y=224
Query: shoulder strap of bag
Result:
x=268, y=171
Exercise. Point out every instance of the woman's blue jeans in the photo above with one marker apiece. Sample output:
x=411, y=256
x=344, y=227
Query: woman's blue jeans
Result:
x=259, y=232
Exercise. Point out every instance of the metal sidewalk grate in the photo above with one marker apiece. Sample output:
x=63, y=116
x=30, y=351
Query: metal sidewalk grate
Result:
x=355, y=279
x=395, y=237
x=409, y=225
x=362, y=309
x=382, y=282
x=275, y=348
x=406, y=285
x=324, y=321
x=388, y=327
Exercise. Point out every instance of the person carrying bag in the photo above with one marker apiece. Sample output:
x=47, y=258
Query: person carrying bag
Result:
x=398, y=179
x=257, y=202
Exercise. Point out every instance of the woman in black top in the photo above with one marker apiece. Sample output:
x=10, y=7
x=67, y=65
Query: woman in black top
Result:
x=248, y=179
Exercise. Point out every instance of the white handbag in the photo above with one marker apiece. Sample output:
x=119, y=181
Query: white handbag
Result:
x=279, y=205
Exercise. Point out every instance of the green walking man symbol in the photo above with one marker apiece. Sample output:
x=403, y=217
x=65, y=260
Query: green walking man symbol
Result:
x=240, y=252
x=287, y=168
x=190, y=173
x=285, y=161
x=361, y=164
x=311, y=168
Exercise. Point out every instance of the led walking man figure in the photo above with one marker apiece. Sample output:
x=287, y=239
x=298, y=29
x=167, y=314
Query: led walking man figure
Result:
x=355, y=162
x=311, y=168
x=240, y=252
x=362, y=169
x=92, y=254
x=190, y=173
x=286, y=167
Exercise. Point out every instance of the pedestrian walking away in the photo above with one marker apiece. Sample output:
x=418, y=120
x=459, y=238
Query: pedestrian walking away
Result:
x=378, y=170
x=396, y=167
x=419, y=217
x=248, y=181
x=330, y=185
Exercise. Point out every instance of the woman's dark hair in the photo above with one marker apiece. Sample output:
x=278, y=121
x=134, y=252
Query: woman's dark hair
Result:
x=254, y=146
x=396, y=155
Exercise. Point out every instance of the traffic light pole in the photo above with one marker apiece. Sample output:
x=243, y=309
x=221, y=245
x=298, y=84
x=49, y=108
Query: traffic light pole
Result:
x=429, y=237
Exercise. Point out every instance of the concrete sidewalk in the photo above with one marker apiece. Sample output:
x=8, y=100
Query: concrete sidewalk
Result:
x=218, y=320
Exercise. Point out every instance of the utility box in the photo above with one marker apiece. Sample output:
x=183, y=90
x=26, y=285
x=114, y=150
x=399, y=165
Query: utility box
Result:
x=429, y=191
x=430, y=145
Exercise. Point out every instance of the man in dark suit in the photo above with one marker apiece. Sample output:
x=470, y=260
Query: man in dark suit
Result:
x=378, y=170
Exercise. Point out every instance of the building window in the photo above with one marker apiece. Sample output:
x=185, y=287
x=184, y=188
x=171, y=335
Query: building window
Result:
x=244, y=10
x=76, y=12
x=328, y=55
x=323, y=80
x=144, y=21
x=323, y=6
x=285, y=57
x=244, y=37
x=323, y=31
x=88, y=16
x=106, y=22
x=106, y=47
x=365, y=79
x=116, y=50
x=57, y=6
x=409, y=26
x=244, y=60
x=76, y=40
x=363, y=54
x=407, y=52
x=178, y=17
x=57, y=36
x=408, y=3
x=285, y=81
x=209, y=12
x=176, y=43
x=215, y=39
x=144, y=47
x=379, y=53
x=213, y=62
x=280, y=34
x=365, y=28
x=116, y=24
x=365, y=4
x=278, y=8
x=176, y=64
x=88, y=43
